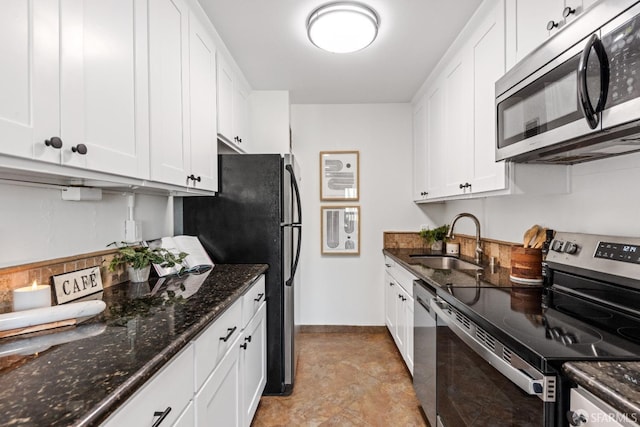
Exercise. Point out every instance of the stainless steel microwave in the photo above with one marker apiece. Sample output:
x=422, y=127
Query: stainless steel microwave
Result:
x=577, y=97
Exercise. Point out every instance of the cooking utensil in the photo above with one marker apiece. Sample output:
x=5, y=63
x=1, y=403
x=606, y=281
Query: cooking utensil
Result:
x=540, y=238
x=529, y=235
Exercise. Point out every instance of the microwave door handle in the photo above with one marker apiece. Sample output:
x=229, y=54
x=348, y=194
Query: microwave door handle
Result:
x=588, y=111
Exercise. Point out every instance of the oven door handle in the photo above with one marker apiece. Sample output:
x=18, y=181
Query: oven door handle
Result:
x=531, y=386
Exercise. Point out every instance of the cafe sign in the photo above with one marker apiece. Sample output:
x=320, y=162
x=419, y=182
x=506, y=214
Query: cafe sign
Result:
x=77, y=284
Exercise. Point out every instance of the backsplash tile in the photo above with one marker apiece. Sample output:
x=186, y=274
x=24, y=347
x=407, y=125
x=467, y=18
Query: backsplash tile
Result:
x=499, y=250
x=42, y=271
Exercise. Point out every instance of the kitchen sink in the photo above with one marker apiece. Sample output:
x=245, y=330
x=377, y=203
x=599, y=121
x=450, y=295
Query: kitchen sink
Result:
x=444, y=262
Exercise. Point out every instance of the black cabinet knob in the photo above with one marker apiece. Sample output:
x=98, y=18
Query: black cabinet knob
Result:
x=80, y=149
x=248, y=339
x=551, y=25
x=567, y=11
x=53, y=142
x=243, y=346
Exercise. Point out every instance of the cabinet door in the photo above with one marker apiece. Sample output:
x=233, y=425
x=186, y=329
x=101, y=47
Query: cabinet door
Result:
x=408, y=312
x=217, y=403
x=459, y=122
x=168, y=90
x=202, y=84
x=187, y=418
x=436, y=142
x=401, y=319
x=141, y=408
x=253, y=363
x=390, y=296
x=531, y=18
x=103, y=85
x=225, y=100
x=420, y=185
x=29, y=59
x=488, y=66
x=240, y=115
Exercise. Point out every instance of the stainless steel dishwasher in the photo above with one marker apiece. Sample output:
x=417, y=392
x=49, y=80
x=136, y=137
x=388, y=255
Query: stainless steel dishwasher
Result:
x=424, y=336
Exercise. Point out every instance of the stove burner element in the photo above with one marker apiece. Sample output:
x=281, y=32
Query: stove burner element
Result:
x=584, y=312
x=630, y=332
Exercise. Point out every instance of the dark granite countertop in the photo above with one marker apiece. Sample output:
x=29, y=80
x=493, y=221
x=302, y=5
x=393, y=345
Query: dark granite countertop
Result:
x=617, y=383
x=82, y=382
x=492, y=276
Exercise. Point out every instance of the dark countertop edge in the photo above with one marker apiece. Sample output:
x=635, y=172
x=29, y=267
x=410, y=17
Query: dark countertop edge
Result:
x=599, y=389
x=390, y=254
x=110, y=404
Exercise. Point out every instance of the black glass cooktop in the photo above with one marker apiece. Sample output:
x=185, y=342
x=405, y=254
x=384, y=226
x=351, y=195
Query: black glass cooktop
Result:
x=560, y=333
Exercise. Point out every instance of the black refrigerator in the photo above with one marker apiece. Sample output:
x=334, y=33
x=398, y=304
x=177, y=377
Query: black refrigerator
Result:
x=256, y=218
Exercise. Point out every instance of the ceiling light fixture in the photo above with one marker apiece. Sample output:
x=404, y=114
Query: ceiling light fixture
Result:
x=343, y=27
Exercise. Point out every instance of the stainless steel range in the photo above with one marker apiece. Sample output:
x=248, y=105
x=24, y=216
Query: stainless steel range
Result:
x=500, y=350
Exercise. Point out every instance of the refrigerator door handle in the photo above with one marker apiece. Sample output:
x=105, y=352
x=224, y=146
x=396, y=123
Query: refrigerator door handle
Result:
x=296, y=191
x=294, y=265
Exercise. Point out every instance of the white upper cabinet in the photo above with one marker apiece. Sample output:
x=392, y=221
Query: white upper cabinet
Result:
x=168, y=90
x=202, y=83
x=530, y=23
x=29, y=58
x=74, y=77
x=233, y=107
x=182, y=92
x=436, y=142
x=420, y=184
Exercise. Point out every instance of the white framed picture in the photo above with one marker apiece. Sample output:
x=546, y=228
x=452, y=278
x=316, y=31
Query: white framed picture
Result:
x=340, y=230
x=339, y=175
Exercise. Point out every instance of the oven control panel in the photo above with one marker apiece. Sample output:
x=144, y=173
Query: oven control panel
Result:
x=611, y=254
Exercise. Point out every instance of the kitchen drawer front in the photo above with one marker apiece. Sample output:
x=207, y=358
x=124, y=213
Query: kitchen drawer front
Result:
x=404, y=278
x=172, y=387
x=215, y=341
x=252, y=300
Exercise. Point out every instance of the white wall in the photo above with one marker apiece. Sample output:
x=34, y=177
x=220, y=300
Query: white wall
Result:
x=269, y=121
x=604, y=199
x=347, y=290
x=36, y=225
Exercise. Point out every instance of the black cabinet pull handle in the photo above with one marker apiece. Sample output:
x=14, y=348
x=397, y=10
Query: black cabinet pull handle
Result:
x=243, y=346
x=259, y=297
x=80, y=149
x=230, y=332
x=53, y=142
x=551, y=25
x=162, y=415
x=194, y=178
x=568, y=11
x=248, y=339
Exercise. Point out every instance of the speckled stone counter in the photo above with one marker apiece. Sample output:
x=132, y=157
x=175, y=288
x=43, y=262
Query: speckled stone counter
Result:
x=495, y=276
x=82, y=382
x=617, y=383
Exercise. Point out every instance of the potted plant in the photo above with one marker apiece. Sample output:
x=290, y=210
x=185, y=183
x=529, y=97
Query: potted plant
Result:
x=138, y=260
x=435, y=236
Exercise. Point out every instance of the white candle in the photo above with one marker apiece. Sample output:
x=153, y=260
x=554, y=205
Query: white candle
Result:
x=34, y=296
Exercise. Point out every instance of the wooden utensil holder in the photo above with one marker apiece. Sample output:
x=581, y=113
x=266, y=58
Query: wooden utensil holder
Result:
x=526, y=265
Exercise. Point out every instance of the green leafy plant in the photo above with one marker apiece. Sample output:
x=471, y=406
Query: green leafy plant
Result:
x=142, y=256
x=431, y=235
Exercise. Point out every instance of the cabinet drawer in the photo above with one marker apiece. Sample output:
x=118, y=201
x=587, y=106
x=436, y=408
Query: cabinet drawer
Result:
x=215, y=341
x=172, y=387
x=252, y=300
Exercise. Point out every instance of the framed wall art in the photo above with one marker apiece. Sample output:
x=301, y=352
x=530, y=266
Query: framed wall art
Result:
x=339, y=175
x=340, y=230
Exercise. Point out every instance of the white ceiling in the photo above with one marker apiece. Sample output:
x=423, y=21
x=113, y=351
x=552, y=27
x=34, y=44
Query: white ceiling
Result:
x=268, y=40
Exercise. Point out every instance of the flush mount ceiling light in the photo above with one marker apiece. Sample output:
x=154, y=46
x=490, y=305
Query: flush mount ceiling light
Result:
x=343, y=27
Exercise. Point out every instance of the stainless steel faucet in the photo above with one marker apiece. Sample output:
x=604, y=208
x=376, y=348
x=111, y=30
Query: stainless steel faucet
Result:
x=475, y=220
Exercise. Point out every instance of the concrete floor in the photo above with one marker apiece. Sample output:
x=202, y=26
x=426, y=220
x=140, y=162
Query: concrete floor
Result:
x=345, y=379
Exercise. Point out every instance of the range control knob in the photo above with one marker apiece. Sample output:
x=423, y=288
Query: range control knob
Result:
x=571, y=248
x=557, y=245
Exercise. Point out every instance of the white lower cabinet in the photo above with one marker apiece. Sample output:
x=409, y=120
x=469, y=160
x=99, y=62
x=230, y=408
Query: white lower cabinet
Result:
x=166, y=395
x=217, y=380
x=398, y=288
x=253, y=364
x=217, y=402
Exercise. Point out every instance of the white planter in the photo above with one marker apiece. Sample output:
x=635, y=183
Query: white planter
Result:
x=137, y=275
